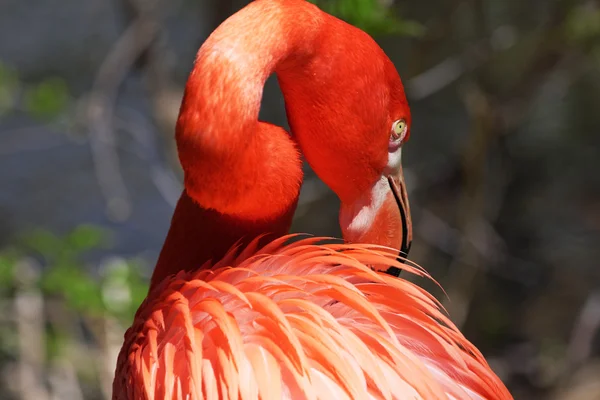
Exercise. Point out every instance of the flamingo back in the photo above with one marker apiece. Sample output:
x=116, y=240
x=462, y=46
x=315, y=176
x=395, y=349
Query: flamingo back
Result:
x=299, y=320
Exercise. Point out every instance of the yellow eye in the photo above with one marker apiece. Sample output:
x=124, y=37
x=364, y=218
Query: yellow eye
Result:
x=399, y=130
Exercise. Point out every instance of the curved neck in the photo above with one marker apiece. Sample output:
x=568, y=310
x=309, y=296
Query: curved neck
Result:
x=198, y=235
x=242, y=176
x=234, y=163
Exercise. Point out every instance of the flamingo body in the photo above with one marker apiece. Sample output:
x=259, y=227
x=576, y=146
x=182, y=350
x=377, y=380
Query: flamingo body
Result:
x=299, y=321
x=235, y=313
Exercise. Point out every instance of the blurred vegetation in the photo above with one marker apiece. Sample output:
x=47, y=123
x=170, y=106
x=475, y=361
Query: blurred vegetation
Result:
x=117, y=290
x=53, y=269
x=44, y=100
x=372, y=16
x=9, y=87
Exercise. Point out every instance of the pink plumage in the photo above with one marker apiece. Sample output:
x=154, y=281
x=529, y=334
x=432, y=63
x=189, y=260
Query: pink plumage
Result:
x=299, y=321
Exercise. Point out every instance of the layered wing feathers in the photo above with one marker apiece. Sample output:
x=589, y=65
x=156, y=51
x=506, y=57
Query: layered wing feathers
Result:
x=299, y=321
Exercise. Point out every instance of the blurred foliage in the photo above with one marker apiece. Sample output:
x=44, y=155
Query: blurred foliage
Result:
x=583, y=29
x=372, y=16
x=45, y=100
x=116, y=290
x=76, y=298
x=583, y=24
x=9, y=87
x=8, y=260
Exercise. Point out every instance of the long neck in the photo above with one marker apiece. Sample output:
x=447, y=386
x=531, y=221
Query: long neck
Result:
x=242, y=176
x=198, y=235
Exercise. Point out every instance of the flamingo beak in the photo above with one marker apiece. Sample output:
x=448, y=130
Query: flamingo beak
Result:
x=398, y=188
x=380, y=216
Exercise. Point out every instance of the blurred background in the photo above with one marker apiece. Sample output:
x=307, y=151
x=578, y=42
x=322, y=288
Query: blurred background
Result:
x=503, y=172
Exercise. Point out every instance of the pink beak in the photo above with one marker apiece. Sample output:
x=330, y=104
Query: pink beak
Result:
x=380, y=216
x=398, y=188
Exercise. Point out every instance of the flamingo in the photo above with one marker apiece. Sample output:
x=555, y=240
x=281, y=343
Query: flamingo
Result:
x=237, y=311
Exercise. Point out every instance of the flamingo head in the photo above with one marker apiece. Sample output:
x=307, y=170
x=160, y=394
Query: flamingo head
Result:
x=348, y=111
x=379, y=210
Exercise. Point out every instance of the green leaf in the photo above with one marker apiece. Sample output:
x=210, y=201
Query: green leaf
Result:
x=371, y=16
x=583, y=24
x=80, y=291
x=43, y=242
x=86, y=237
x=8, y=340
x=47, y=99
x=9, y=88
x=8, y=260
x=56, y=342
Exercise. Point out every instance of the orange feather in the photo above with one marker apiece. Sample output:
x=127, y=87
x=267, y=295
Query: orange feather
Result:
x=273, y=324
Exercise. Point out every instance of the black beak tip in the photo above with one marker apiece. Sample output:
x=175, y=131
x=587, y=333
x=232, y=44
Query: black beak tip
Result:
x=405, y=249
x=395, y=271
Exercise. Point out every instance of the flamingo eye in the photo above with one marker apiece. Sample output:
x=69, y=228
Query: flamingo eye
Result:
x=399, y=129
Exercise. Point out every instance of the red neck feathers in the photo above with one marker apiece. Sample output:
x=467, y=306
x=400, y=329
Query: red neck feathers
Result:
x=242, y=176
x=194, y=229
